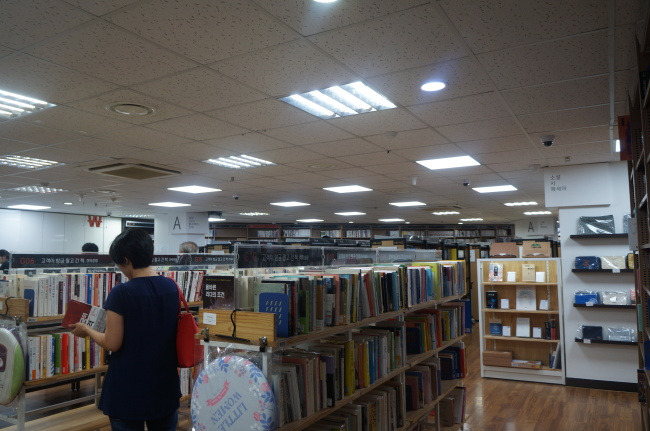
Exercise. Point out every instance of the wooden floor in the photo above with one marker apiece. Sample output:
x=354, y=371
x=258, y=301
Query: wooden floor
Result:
x=500, y=405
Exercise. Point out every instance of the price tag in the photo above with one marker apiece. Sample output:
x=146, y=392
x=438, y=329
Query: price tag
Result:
x=209, y=319
x=586, y=341
x=616, y=270
x=589, y=304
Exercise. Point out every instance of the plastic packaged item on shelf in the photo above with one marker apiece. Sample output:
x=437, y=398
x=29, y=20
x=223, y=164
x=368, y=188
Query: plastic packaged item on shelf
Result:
x=495, y=272
x=626, y=217
x=587, y=332
x=587, y=262
x=629, y=261
x=614, y=298
x=612, y=262
x=13, y=357
x=595, y=225
x=621, y=334
x=585, y=297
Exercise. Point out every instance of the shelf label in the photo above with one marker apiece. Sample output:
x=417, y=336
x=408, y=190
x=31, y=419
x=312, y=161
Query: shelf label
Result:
x=616, y=270
x=589, y=304
x=209, y=319
x=586, y=341
x=59, y=260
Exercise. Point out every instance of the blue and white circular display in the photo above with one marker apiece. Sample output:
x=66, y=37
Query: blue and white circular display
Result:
x=231, y=393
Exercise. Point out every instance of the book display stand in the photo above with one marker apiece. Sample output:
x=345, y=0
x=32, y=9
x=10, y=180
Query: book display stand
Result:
x=521, y=319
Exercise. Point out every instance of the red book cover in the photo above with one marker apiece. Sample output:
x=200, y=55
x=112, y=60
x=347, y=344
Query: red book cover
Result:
x=92, y=316
x=65, y=359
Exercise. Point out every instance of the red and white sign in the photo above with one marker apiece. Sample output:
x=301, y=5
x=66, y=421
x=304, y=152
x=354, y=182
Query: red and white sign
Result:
x=95, y=221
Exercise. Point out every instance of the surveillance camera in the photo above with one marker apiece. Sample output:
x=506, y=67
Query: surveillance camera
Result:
x=235, y=197
x=548, y=140
x=109, y=213
x=466, y=183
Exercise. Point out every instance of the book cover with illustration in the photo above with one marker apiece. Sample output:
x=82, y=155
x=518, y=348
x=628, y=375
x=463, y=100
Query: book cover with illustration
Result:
x=218, y=292
x=79, y=312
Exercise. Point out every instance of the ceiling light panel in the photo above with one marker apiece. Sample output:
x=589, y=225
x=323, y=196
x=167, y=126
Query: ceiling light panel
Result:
x=537, y=212
x=28, y=207
x=340, y=101
x=351, y=213
x=239, y=162
x=347, y=189
x=254, y=214
x=289, y=204
x=194, y=189
x=309, y=220
x=27, y=162
x=448, y=162
x=13, y=105
x=445, y=212
x=517, y=204
x=216, y=219
x=169, y=204
x=391, y=220
x=408, y=204
x=494, y=189
x=38, y=189
x=471, y=219
x=138, y=216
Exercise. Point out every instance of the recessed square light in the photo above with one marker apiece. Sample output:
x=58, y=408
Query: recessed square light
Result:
x=28, y=207
x=309, y=220
x=27, y=162
x=391, y=220
x=471, y=219
x=448, y=162
x=14, y=105
x=350, y=213
x=408, y=204
x=347, y=189
x=289, y=204
x=193, y=189
x=38, y=189
x=340, y=101
x=239, y=162
x=445, y=212
x=433, y=86
x=537, y=212
x=169, y=204
x=494, y=189
x=517, y=204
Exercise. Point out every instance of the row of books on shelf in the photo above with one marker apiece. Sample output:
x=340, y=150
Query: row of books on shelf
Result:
x=550, y=331
x=430, y=328
x=61, y=353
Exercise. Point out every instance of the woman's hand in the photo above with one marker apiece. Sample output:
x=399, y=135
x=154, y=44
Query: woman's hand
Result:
x=80, y=330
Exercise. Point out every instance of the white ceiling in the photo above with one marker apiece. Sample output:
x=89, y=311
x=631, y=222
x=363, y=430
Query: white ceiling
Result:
x=214, y=70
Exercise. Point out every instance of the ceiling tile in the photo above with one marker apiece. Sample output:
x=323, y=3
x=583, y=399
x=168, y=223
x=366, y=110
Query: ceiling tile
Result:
x=290, y=68
x=238, y=27
x=510, y=156
x=99, y=105
x=580, y=136
x=59, y=155
x=463, y=76
x=100, y=7
x=625, y=50
x=344, y=147
x=578, y=150
x=110, y=53
x=585, y=158
x=628, y=11
x=566, y=119
x=198, y=151
x=307, y=179
x=342, y=171
x=392, y=43
x=309, y=133
x=407, y=139
x=4, y=51
x=549, y=61
x=287, y=155
x=142, y=137
x=461, y=110
x=73, y=120
x=311, y=17
x=198, y=127
x=99, y=147
x=506, y=143
x=25, y=22
x=434, y=152
x=373, y=123
x=28, y=133
x=372, y=159
x=248, y=143
x=8, y=146
x=486, y=26
x=46, y=81
x=509, y=166
x=481, y=129
x=157, y=157
x=200, y=89
x=263, y=114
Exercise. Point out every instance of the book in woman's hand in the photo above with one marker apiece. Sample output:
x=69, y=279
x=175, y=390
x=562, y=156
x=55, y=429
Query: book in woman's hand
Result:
x=79, y=312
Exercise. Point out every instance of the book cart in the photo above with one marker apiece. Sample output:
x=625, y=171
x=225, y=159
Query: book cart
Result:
x=46, y=321
x=259, y=333
x=517, y=318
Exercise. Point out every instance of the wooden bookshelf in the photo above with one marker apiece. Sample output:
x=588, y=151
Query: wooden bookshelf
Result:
x=520, y=339
x=415, y=416
x=65, y=377
x=45, y=319
x=515, y=311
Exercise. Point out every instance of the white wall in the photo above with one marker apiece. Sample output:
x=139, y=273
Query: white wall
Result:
x=536, y=227
x=42, y=232
x=597, y=361
x=165, y=242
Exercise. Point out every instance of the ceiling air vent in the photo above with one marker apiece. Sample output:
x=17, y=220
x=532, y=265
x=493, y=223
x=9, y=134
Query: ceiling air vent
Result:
x=134, y=171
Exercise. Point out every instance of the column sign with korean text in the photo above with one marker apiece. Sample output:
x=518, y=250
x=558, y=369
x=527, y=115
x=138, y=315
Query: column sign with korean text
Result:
x=577, y=185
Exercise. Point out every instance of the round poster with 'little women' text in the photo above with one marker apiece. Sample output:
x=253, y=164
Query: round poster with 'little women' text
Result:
x=231, y=393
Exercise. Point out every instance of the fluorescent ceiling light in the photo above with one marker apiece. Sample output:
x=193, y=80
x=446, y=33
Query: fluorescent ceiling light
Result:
x=325, y=1
x=448, y=162
x=216, y=219
x=347, y=189
x=253, y=214
x=433, y=86
x=289, y=204
x=471, y=219
x=537, y=212
x=193, y=189
x=618, y=146
x=445, y=212
x=27, y=162
x=67, y=203
x=239, y=162
x=391, y=220
x=340, y=101
x=494, y=189
x=14, y=105
x=517, y=204
x=28, y=207
x=407, y=204
x=138, y=215
x=350, y=213
x=169, y=204
x=309, y=220
x=37, y=189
